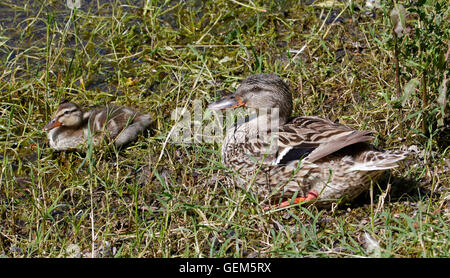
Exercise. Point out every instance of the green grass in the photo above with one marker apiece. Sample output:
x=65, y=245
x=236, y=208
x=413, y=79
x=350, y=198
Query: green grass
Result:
x=153, y=199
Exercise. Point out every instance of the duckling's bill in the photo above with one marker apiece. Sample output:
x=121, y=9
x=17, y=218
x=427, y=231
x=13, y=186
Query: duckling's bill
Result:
x=52, y=124
x=228, y=102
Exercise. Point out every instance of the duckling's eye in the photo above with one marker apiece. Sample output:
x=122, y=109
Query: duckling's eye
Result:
x=66, y=112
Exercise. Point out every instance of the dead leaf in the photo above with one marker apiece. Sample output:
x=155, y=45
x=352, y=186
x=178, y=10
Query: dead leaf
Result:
x=398, y=15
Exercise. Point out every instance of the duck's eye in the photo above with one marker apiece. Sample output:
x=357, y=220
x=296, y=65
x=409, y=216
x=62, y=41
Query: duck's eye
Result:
x=66, y=112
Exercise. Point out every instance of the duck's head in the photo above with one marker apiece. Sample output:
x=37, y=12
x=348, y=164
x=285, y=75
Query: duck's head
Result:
x=259, y=91
x=68, y=114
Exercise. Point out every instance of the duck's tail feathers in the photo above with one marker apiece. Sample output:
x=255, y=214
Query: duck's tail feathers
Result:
x=375, y=161
x=130, y=133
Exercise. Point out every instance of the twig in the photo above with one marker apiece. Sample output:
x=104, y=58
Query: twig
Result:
x=397, y=65
x=424, y=100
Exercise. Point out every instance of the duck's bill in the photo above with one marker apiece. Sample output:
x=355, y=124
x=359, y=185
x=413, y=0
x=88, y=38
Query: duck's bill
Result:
x=52, y=124
x=228, y=102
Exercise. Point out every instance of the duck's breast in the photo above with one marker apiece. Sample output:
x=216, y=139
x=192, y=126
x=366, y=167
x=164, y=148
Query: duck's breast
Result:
x=62, y=138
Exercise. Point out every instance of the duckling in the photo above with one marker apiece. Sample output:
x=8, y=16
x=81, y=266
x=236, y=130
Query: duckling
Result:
x=71, y=128
x=309, y=157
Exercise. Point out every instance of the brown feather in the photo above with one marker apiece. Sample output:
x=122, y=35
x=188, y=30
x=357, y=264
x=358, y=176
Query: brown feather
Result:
x=335, y=145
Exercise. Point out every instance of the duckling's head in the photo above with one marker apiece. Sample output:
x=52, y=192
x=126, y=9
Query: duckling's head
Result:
x=68, y=114
x=259, y=91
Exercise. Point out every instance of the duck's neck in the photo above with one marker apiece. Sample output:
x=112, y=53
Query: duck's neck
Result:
x=265, y=120
x=258, y=125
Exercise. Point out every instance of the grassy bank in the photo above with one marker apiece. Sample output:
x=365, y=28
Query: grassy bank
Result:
x=159, y=199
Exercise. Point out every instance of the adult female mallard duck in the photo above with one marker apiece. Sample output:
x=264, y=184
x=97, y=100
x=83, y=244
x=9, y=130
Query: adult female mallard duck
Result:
x=71, y=127
x=304, y=157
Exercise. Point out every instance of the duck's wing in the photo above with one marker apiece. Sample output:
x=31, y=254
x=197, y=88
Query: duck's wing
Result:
x=109, y=119
x=313, y=138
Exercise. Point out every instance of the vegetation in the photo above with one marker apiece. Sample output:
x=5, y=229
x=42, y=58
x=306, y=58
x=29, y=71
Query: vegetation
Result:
x=155, y=198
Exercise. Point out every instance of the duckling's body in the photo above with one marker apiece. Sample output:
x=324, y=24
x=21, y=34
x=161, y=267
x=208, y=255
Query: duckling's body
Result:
x=307, y=156
x=71, y=128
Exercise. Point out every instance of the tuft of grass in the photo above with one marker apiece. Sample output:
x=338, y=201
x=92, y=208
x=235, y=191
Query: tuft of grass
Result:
x=159, y=199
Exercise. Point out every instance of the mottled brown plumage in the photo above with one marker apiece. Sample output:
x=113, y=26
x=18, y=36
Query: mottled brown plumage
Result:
x=301, y=154
x=71, y=128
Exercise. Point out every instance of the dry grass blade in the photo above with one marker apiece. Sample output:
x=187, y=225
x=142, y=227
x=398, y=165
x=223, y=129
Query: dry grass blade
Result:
x=155, y=198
